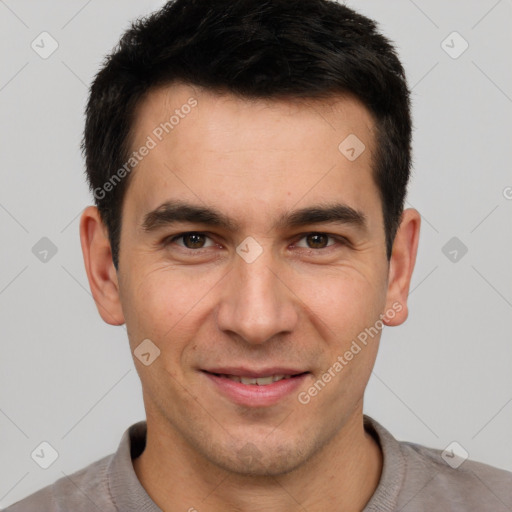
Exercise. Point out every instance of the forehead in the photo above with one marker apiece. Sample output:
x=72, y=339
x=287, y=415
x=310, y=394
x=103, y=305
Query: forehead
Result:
x=251, y=153
x=163, y=110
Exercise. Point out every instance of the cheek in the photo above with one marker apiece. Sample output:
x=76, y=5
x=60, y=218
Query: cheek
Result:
x=346, y=311
x=345, y=301
x=162, y=302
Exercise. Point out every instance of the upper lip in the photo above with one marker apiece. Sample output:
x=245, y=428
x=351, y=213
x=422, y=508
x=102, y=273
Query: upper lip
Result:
x=241, y=371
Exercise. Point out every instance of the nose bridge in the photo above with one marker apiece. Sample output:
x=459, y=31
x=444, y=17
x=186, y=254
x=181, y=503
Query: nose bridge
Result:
x=255, y=304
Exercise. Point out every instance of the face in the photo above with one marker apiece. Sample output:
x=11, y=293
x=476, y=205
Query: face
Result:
x=252, y=246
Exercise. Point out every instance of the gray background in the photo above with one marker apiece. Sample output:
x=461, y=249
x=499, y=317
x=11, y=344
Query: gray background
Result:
x=68, y=378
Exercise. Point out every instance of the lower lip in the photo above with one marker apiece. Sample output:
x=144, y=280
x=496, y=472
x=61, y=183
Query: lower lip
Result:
x=253, y=395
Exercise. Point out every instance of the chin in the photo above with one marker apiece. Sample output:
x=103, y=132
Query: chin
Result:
x=259, y=459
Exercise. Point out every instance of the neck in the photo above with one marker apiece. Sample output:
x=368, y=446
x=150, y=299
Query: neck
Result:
x=345, y=471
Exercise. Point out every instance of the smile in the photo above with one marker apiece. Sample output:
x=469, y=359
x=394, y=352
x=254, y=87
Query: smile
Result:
x=256, y=390
x=260, y=381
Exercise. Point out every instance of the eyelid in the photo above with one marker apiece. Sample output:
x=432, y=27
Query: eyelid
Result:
x=171, y=239
x=341, y=243
x=338, y=238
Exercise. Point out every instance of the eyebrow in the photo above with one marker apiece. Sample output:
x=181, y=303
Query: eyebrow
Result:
x=172, y=212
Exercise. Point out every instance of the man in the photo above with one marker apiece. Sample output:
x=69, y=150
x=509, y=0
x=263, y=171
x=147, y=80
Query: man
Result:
x=249, y=162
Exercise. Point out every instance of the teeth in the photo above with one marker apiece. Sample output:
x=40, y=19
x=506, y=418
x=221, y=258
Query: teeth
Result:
x=249, y=380
x=260, y=381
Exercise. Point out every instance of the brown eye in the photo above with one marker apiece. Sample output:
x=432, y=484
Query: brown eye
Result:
x=192, y=240
x=316, y=241
x=195, y=240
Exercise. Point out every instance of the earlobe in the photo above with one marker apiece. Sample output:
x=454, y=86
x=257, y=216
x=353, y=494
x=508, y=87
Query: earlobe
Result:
x=99, y=266
x=403, y=258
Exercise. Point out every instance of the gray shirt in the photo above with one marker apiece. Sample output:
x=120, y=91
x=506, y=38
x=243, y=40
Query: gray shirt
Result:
x=414, y=479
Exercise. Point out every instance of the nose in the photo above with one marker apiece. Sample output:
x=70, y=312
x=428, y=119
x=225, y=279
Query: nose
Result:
x=257, y=303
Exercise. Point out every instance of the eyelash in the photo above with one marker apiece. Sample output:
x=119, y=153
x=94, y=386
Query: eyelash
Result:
x=339, y=239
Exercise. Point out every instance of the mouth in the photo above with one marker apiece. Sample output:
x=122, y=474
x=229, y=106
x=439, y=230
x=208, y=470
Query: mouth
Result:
x=255, y=389
x=258, y=381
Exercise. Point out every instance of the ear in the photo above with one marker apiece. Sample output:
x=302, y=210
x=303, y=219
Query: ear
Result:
x=99, y=266
x=401, y=265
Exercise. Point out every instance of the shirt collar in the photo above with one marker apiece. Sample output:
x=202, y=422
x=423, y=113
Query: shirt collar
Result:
x=125, y=488
x=385, y=497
